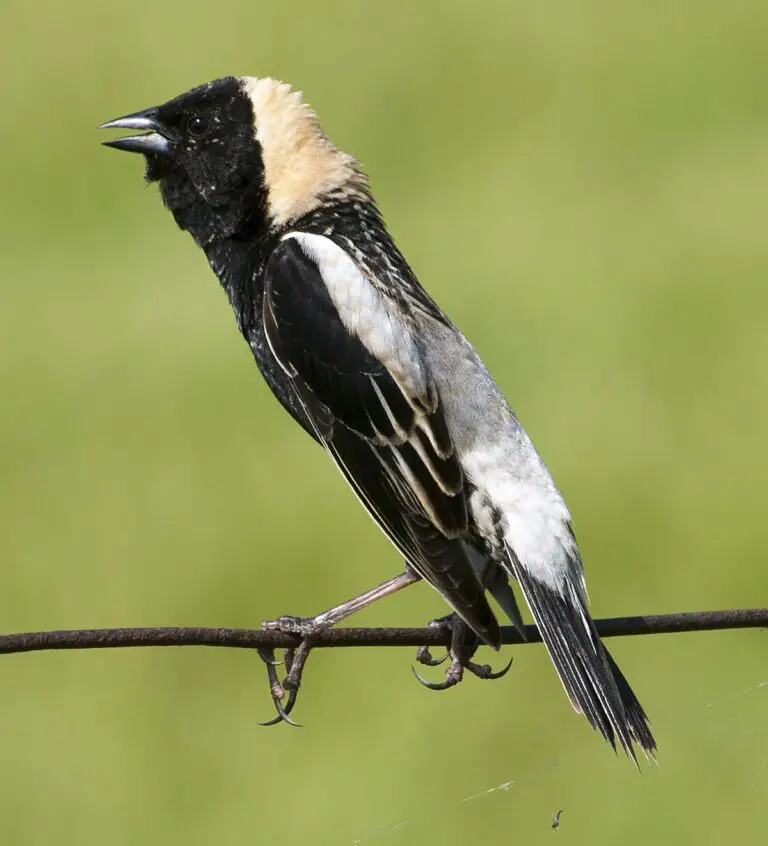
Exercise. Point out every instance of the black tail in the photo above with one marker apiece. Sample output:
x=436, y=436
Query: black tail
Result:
x=636, y=716
x=593, y=682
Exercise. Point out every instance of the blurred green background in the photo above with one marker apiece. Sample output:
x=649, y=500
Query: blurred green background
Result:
x=582, y=186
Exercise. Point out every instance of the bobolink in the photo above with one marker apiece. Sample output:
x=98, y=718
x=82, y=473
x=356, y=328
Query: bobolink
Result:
x=365, y=361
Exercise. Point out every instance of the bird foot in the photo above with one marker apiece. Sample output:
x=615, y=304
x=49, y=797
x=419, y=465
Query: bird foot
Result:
x=464, y=644
x=301, y=626
x=286, y=690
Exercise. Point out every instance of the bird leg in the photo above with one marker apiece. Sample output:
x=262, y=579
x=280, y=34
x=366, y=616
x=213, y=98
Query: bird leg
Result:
x=306, y=628
x=464, y=644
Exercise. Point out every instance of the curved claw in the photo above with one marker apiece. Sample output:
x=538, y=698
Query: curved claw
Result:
x=277, y=691
x=283, y=712
x=443, y=685
x=424, y=656
x=483, y=671
x=501, y=673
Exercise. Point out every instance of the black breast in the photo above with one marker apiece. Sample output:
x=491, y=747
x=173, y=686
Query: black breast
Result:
x=239, y=265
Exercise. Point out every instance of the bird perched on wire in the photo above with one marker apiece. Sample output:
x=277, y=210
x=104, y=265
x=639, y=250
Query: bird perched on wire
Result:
x=368, y=364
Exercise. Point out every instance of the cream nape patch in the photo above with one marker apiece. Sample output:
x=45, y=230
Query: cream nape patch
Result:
x=301, y=164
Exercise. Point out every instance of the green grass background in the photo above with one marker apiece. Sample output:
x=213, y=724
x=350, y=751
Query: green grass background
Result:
x=582, y=186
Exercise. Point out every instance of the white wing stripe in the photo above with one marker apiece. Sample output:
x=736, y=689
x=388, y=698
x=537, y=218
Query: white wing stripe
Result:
x=365, y=313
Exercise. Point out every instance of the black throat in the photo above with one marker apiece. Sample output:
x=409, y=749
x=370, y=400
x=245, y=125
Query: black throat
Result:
x=235, y=210
x=239, y=266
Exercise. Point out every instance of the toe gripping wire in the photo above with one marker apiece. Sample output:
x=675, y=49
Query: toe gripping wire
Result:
x=294, y=660
x=463, y=646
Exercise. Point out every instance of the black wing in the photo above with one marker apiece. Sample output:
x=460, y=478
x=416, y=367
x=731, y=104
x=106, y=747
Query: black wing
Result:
x=378, y=415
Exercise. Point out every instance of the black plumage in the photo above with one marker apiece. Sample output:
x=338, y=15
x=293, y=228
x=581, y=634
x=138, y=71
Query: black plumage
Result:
x=400, y=401
x=335, y=375
x=593, y=682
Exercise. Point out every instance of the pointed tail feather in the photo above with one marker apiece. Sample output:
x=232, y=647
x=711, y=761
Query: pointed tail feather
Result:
x=593, y=682
x=636, y=716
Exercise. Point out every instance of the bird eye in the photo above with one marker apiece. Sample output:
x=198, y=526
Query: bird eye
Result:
x=198, y=126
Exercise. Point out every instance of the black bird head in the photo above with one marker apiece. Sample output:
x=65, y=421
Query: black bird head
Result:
x=238, y=157
x=202, y=149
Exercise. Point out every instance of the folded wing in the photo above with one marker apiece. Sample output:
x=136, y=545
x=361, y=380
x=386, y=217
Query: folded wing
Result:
x=357, y=369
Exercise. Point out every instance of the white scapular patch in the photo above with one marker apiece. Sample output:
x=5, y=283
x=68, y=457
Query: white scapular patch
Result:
x=366, y=313
x=301, y=165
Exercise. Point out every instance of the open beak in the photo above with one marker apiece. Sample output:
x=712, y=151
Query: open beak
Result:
x=156, y=140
